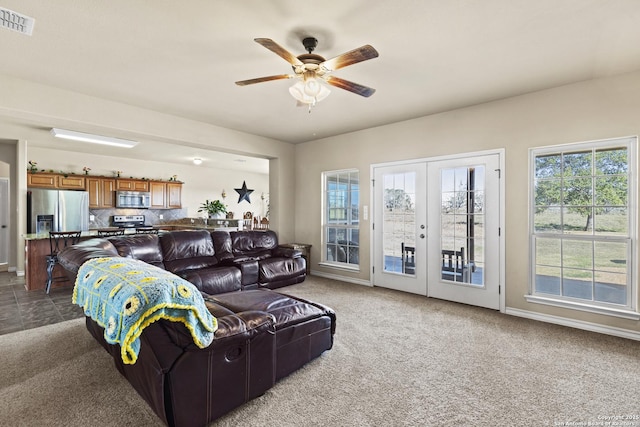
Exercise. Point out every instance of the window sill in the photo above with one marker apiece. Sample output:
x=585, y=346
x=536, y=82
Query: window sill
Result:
x=607, y=311
x=344, y=267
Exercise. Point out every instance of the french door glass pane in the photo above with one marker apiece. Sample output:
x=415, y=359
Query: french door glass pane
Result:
x=462, y=224
x=399, y=219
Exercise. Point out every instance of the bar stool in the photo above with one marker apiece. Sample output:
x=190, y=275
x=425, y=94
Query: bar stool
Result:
x=108, y=232
x=146, y=230
x=58, y=240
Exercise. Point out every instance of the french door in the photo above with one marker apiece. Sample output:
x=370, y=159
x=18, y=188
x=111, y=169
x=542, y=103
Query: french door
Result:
x=400, y=227
x=464, y=220
x=436, y=226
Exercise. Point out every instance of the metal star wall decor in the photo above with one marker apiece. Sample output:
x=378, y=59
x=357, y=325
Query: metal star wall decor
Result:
x=243, y=192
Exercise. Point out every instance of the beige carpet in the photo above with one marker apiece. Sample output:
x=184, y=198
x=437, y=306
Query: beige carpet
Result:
x=398, y=360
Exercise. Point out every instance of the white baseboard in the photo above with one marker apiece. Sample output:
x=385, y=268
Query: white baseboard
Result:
x=19, y=272
x=572, y=323
x=341, y=278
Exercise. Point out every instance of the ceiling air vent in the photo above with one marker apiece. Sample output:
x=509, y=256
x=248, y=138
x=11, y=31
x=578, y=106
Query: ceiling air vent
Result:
x=16, y=22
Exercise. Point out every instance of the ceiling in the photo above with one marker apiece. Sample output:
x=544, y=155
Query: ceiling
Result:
x=182, y=58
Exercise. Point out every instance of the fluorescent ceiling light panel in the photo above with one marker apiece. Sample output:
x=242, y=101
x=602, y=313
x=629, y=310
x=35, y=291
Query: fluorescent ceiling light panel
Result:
x=94, y=139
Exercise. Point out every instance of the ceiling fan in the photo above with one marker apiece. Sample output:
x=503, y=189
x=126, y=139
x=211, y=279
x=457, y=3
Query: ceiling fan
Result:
x=311, y=69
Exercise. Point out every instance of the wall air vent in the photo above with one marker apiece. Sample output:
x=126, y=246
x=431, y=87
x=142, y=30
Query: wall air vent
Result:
x=14, y=21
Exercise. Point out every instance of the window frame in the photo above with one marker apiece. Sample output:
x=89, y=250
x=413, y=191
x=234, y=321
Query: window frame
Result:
x=325, y=176
x=628, y=311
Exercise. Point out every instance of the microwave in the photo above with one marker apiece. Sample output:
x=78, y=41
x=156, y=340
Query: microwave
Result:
x=133, y=199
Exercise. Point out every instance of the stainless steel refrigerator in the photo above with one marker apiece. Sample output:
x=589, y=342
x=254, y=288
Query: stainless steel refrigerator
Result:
x=57, y=210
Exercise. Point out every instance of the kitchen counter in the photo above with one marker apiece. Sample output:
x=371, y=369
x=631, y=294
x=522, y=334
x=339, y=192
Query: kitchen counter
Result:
x=160, y=227
x=45, y=236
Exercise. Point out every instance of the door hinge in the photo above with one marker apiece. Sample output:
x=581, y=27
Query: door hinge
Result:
x=499, y=173
x=373, y=225
x=373, y=270
x=499, y=231
x=373, y=182
x=499, y=289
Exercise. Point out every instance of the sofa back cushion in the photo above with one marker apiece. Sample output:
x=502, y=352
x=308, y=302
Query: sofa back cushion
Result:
x=72, y=257
x=222, y=245
x=187, y=250
x=143, y=247
x=253, y=245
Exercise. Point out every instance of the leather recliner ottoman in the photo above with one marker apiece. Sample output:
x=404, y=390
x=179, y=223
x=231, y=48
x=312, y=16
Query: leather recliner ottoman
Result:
x=304, y=329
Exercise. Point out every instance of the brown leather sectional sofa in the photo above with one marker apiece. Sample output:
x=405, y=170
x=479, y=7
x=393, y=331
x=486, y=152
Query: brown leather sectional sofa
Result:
x=262, y=335
x=216, y=262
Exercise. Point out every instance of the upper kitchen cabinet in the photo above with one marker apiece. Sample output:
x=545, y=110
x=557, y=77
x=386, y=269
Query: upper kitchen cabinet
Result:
x=166, y=195
x=174, y=195
x=132, y=185
x=53, y=180
x=42, y=180
x=71, y=182
x=101, y=192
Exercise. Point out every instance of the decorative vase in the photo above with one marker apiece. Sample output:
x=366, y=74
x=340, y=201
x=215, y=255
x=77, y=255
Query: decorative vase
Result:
x=218, y=215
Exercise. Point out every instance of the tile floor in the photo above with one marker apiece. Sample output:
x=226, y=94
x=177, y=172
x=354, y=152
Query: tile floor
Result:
x=21, y=310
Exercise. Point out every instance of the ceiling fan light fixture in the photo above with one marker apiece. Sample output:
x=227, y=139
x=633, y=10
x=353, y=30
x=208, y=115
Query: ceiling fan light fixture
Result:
x=301, y=93
x=311, y=87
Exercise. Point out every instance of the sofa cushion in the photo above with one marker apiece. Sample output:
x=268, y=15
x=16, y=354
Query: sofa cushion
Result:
x=143, y=247
x=72, y=257
x=222, y=245
x=253, y=242
x=274, y=269
x=214, y=280
x=285, y=309
x=187, y=250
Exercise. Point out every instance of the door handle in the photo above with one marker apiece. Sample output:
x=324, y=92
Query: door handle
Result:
x=4, y=226
x=422, y=236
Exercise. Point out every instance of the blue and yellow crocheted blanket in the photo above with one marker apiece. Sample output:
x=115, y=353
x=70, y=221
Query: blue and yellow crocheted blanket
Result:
x=124, y=296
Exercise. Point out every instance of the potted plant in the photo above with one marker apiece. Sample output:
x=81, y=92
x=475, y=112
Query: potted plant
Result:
x=215, y=208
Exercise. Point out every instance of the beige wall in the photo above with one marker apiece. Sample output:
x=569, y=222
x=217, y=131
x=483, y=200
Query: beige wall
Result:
x=586, y=111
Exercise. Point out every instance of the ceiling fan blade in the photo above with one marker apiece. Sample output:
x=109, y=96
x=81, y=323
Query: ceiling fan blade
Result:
x=354, y=56
x=264, y=79
x=350, y=86
x=279, y=50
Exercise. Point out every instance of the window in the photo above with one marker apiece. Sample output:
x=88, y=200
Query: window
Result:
x=341, y=234
x=582, y=222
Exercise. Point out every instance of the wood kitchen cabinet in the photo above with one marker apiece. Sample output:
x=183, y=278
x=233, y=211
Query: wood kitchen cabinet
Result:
x=132, y=185
x=42, y=180
x=165, y=195
x=54, y=180
x=71, y=182
x=101, y=192
x=174, y=195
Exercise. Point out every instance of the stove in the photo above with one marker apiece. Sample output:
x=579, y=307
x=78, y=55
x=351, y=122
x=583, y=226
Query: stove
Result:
x=129, y=221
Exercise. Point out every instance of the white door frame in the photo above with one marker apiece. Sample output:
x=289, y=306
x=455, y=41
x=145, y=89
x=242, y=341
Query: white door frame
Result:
x=4, y=221
x=501, y=239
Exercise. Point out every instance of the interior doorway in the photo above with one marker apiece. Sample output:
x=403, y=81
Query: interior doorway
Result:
x=4, y=224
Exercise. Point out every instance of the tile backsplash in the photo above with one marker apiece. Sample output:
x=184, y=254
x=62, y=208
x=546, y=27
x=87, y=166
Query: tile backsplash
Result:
x=102, y=217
